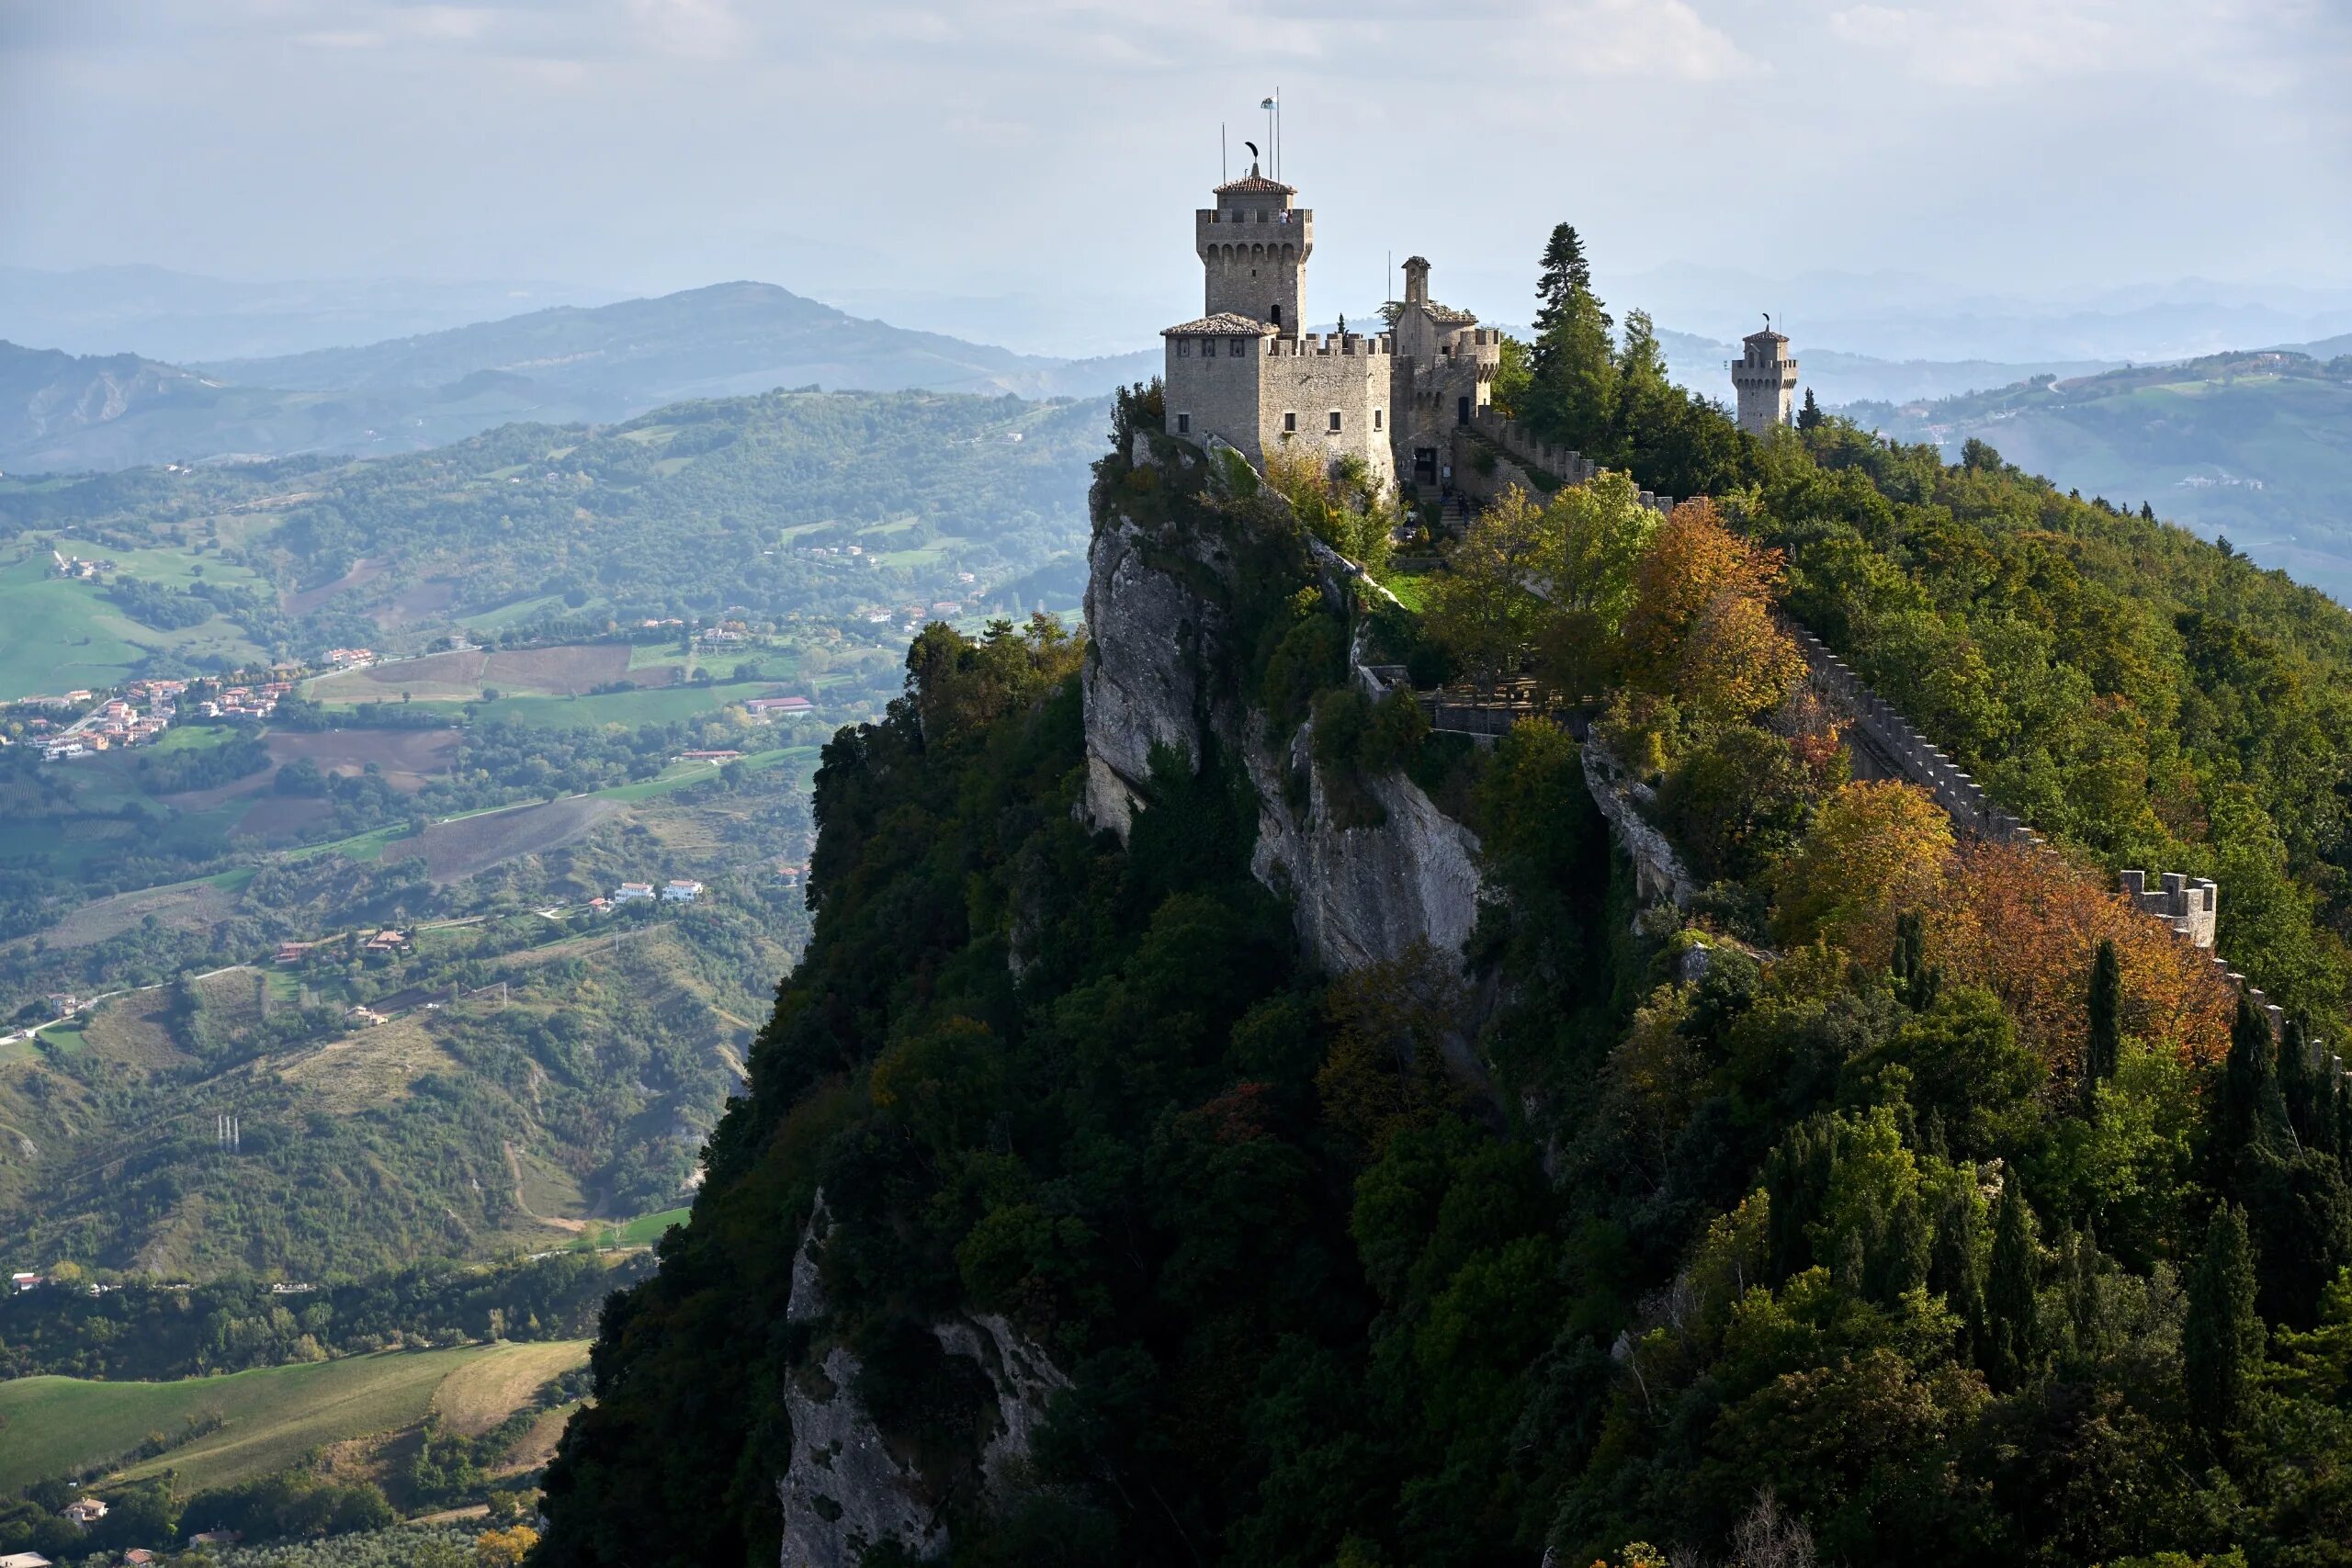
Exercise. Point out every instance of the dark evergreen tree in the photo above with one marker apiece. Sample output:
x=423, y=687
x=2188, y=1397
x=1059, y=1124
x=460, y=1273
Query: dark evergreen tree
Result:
x=1916, y=982
x=2221, y=1340
x=2104, y=1047
x=1956, y=1271
x=1572, y=392
x=1810, y=416
x=2302, y=1090
x=1564, y=275
x=2244, y=1109
x=2012, y=1280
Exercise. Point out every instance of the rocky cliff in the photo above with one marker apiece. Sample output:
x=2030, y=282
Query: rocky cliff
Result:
x=1181, y=546
x=850, y=1487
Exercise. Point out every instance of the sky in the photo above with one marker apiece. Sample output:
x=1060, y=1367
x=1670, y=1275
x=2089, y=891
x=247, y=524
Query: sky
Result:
x=1032, y=164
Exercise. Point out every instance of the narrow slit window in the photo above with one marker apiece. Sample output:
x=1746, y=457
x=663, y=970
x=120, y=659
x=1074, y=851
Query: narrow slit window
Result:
x=1183, y=424
x=1335, y=422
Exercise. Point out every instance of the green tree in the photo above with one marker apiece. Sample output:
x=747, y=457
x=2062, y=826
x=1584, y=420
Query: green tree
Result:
x=1810, y=416
x=1484, y=610
x=2012, y=1282
x=2221, y=1341
x=2103, y=1047
x=1572, y=395
x=2245, y=1107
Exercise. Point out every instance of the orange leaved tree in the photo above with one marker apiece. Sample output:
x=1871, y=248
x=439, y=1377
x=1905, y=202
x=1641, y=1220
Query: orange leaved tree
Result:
x=2026, y=924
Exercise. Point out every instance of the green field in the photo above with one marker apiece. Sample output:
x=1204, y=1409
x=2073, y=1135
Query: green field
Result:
x=55, y=640
x=171, y=567
x=271, y=1418
x=513, y=614
x=656, y=704
x=647, y=1229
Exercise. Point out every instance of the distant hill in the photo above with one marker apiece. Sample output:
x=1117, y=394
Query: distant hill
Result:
x=2256, y=446
x=62, y=413
x=184, y=316
x=727, y=339
x=557, y=367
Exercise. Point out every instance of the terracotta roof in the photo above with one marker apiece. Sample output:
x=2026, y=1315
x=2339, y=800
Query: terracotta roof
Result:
x=1255, y=184
x=1225, y=323
x=1450, y=316
x=1767, y=335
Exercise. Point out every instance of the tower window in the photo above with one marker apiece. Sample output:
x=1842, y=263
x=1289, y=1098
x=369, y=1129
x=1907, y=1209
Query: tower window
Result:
x=1290, y=421
x=1184, y=348
x=1238, y=350
x=1376, y=415
x=1335, y=422
x=1183, y=424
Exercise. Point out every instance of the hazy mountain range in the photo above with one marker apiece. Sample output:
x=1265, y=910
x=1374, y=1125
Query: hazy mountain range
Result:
x=563, y=365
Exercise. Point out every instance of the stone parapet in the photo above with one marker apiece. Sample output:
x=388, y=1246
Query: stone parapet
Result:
x=2189, y=904
x=1886, y=746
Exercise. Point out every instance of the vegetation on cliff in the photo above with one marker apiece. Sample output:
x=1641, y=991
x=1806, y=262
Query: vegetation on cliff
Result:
x=1916, y=1199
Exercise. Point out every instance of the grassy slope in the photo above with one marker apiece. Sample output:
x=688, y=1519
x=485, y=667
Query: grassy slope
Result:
x=271, y=1417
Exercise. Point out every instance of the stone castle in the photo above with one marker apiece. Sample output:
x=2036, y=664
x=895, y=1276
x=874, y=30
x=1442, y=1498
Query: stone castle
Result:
x=1245, y=372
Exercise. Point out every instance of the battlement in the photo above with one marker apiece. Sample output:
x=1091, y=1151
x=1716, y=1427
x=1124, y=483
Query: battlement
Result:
x=1562, y=463
x=1312, y=344
x=2187, y=904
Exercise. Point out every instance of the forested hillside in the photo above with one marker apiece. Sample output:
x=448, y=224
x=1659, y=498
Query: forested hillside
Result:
x=683, y=513
x=1902, y=1199
x=2257, y=446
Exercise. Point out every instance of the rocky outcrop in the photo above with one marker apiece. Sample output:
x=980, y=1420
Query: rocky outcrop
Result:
x=1362, y=895
x=1162, y=655
x=1658, y=874
x=847, y=1488
x=1147, y=632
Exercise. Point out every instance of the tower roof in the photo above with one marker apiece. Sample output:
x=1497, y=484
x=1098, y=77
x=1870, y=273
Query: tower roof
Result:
x=1767, y=335
x=1225, y=323
x=1255, y=184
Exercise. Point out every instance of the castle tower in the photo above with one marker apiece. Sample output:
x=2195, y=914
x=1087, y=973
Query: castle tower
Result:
x=1254, y=246
x=1247, y=373
x=1766, y=379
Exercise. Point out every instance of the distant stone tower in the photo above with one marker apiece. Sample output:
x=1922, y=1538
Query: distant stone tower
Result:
x=1766, y=379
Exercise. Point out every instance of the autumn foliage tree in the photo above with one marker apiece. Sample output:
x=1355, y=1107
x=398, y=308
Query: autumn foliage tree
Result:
x=1875, y=849
x=2027, y=924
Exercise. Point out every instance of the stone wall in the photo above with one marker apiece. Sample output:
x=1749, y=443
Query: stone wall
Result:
x=1884, y=745
x=1210, y=392
x=1311, y=378
x=1539, y=464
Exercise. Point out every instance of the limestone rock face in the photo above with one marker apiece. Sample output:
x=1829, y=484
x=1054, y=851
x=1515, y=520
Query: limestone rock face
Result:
x=1146, y=635
x=1363, y=895
x=845, y=1491
x=1159, y=666
x=847, y=1488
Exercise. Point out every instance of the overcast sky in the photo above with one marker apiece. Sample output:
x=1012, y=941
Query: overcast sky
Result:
x=1052, y=150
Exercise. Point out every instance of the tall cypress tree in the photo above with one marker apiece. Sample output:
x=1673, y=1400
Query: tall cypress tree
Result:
x=1956, y=1269
x=1810, y=417
x=2104, y=1048
x=2221, y=1343
x=2301, y=1088
x=2244, y=1108
x=1915, y=984
x=2012, y=1309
